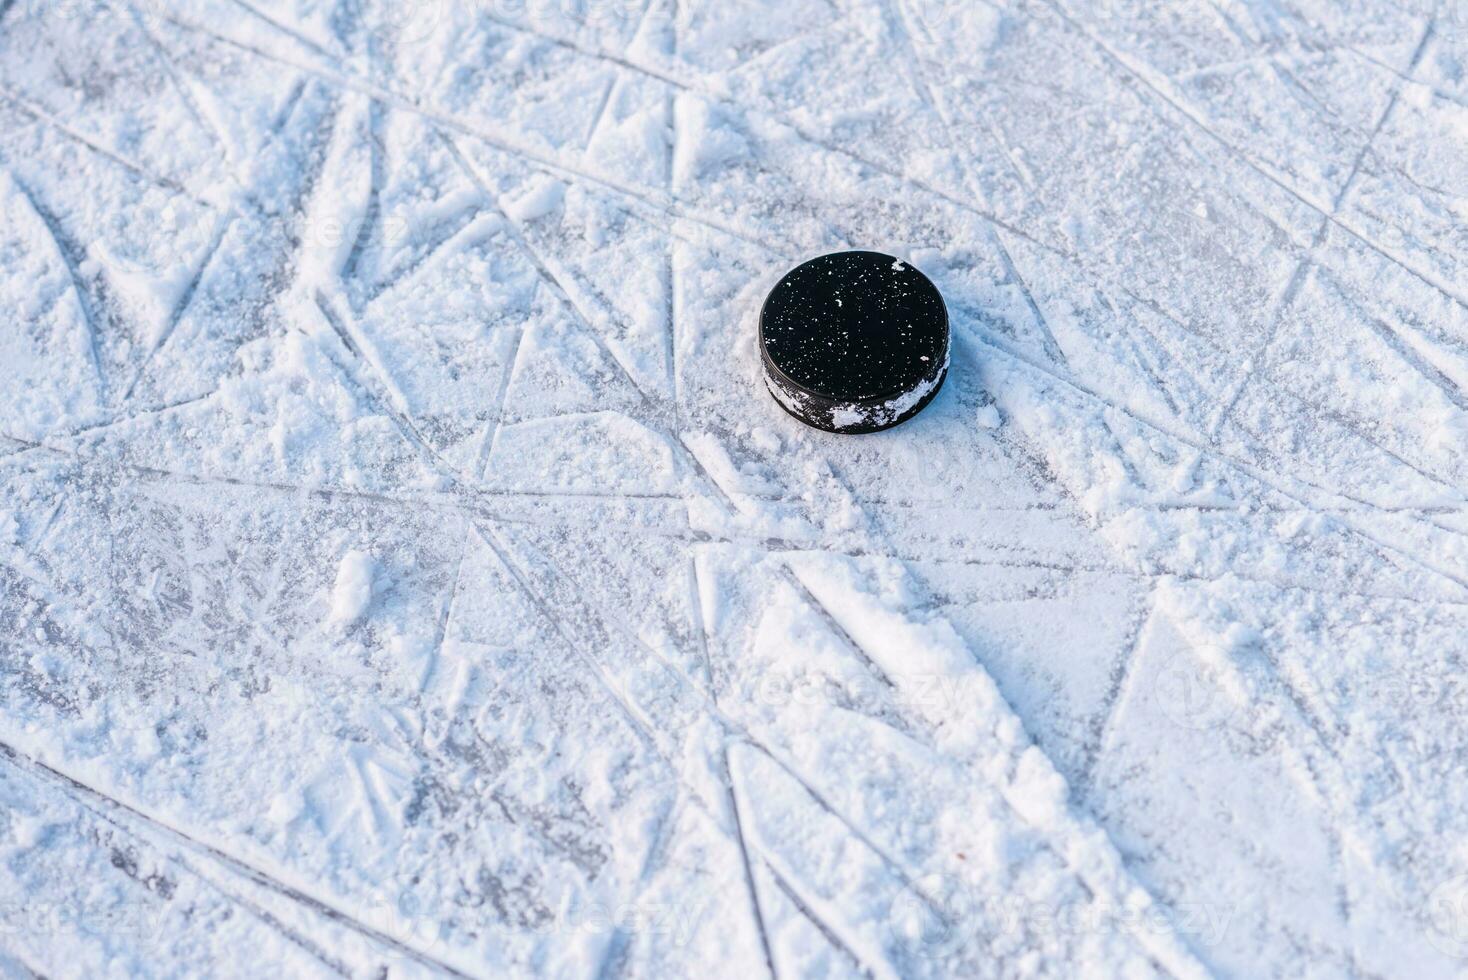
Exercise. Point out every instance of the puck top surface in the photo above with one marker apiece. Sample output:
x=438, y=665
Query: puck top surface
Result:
x=854, y=327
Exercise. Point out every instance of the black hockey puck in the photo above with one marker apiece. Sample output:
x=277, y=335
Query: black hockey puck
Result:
x=854, y=341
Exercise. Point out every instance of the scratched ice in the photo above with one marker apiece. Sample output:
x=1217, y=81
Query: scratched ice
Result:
x=404, y=572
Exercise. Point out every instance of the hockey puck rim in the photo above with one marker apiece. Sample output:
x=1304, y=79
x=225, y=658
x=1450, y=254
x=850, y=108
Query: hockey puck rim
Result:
x=825, y=404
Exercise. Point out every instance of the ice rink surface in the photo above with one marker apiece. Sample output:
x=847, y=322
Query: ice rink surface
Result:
x=403, y=571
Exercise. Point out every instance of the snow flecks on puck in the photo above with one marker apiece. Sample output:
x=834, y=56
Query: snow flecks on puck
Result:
x=402, y=569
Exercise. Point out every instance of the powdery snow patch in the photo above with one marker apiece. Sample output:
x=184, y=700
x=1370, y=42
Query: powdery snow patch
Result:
x=542, y=196
x=352, y=592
